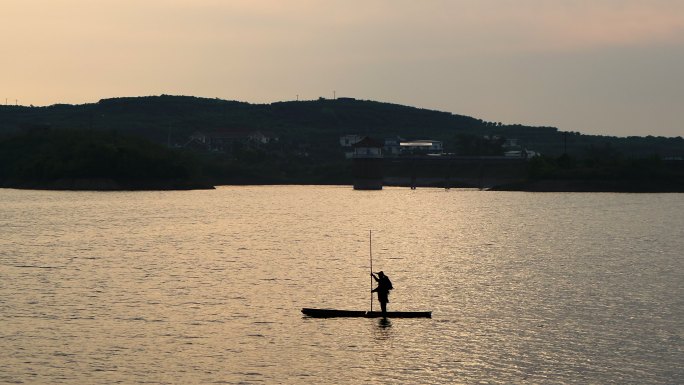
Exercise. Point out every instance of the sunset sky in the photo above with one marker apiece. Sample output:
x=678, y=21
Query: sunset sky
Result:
x=610, y=67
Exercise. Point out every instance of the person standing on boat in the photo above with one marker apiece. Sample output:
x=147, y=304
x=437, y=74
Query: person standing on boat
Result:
x=383, y=289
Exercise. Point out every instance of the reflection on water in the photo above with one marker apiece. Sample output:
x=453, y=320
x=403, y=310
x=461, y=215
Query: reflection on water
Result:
x=384, y=323
x=207, y=286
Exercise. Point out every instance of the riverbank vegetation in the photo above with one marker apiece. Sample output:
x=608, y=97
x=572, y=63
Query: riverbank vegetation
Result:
x=88, y=159
x=84, y=159
x=613, y=173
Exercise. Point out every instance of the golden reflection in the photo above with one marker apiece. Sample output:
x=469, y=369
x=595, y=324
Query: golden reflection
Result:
x=384, y=323
x=382, y=330
x=207, y=286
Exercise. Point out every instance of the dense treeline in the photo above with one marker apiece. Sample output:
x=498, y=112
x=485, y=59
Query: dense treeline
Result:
x=62, y=158
x=638, y=169
x=615, y=173
x=43, y=157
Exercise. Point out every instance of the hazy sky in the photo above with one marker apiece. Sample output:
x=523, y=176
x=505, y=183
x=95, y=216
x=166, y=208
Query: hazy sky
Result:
x=613, y=67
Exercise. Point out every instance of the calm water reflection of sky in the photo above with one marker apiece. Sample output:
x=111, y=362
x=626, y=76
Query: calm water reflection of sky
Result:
x=206, y=286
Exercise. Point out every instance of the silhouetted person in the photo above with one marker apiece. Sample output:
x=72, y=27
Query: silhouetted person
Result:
x=383, y=289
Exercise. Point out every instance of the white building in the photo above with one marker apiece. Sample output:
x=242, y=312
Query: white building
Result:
x=421, y=147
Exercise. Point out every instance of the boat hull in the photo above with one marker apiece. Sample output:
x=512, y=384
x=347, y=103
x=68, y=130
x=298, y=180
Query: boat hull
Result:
x=334, y=313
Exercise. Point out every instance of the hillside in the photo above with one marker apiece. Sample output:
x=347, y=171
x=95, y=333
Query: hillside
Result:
x=314, y=124
x=145, y=143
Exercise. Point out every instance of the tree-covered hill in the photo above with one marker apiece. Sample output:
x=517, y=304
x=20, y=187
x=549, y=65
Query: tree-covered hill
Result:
x=142, y=142
x=316, y=123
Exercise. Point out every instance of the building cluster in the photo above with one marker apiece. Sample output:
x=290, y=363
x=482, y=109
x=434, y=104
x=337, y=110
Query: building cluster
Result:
x=514, y=149
x=225, y=140
x=356, y=145
x=389, y=147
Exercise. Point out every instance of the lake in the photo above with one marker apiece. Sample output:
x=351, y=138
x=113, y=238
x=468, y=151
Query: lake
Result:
x=207, y=286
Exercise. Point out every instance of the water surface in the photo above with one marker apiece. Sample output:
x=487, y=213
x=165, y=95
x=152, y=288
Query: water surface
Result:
x=206, y=286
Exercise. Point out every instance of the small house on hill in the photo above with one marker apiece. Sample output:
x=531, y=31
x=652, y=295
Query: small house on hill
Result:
x=349, y=140
x=368, y=148
x=392, y=146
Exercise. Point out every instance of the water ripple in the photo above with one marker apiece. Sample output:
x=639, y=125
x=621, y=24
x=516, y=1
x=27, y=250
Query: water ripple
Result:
x=206, y=287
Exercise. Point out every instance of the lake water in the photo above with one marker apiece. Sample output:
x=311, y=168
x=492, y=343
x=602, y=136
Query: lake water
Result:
x=207, y=286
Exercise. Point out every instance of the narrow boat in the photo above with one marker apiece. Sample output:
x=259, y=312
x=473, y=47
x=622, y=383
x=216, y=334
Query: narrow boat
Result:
x=330, y=313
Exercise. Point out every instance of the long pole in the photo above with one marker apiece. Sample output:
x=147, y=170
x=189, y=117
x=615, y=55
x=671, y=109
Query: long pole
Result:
x=370, y=252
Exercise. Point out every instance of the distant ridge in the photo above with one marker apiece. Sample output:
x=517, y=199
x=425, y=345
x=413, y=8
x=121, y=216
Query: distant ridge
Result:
x=312, y=123
x=154, y=142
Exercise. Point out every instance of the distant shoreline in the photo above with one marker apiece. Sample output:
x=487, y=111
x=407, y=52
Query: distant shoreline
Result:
x=106, y=184
x=545, y=185
x=580, y=186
